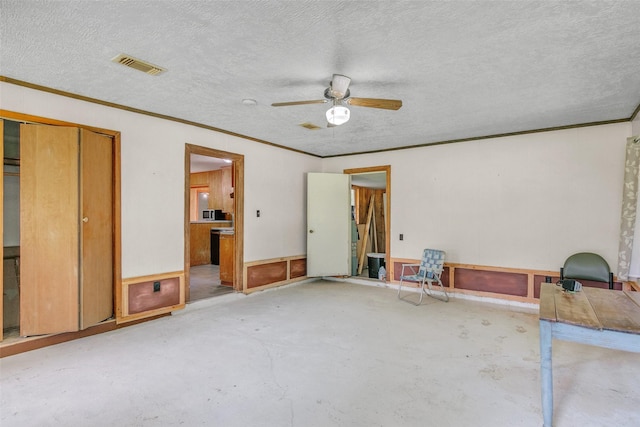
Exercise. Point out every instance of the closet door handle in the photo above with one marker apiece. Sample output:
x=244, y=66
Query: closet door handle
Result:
x=85, y=219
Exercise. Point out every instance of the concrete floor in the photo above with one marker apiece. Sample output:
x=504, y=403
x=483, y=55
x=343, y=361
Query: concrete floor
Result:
x=320, y=354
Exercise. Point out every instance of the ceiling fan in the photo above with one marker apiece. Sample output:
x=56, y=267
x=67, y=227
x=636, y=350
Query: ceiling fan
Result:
x=339, y=95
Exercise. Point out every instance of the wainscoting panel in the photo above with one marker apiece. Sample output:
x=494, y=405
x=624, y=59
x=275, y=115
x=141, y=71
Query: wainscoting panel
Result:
x=497, y=282
x=143, y=296
x=264, y=274
x=152, y=295
x=269, y=273
x=298, y=268
x=539, y=279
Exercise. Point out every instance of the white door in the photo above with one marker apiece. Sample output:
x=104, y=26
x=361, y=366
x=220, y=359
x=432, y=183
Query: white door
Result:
x=328, y=225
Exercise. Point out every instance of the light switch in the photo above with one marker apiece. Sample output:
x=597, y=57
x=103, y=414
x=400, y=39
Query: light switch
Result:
x=258, y=213
x=401, y=236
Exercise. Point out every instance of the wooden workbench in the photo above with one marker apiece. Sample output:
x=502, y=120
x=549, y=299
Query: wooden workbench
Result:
x=593, y=316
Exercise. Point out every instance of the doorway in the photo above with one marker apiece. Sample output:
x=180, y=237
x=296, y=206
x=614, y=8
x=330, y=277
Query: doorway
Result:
x=214, y=196
x=371, y=201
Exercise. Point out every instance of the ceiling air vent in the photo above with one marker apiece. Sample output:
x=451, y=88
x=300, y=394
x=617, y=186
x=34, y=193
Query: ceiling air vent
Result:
x=138, y=64
x=309, y=126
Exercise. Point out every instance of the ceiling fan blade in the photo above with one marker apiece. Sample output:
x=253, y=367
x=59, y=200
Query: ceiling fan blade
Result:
x=386, y=104
x=286, y=104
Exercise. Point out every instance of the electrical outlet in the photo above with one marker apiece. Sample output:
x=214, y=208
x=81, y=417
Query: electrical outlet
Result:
x=401, y=236
x=156, y=286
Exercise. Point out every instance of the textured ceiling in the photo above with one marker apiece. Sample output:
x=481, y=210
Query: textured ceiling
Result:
x=462, y=69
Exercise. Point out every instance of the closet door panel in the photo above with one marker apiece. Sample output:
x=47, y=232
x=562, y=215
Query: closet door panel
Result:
x=49, y=234
x=2, y=234
x=96, y=282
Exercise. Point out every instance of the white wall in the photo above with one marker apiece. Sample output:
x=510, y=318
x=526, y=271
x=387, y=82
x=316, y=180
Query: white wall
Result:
x=526, y=201
x=153, y=152
x=635, y=126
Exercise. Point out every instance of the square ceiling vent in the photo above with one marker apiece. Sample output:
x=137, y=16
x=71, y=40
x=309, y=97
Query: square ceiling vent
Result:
x=138, y=64
x=309, y=126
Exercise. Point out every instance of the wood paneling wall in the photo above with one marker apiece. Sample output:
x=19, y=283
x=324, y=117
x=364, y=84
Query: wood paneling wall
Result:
x=226, y=189
x=362, y=198
x=199, y=179
x=215, y=189
x=220, y=183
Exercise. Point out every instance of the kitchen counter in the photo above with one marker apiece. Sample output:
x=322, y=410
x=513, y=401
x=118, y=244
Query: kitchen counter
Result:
x=221, y=226
x=217, y=224
x=223, y=230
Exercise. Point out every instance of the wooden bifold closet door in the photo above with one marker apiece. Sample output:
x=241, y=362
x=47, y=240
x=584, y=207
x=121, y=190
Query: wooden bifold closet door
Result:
x=66, y=229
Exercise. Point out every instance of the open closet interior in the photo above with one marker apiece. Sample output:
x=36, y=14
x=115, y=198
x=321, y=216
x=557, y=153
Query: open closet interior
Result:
x=11, y=228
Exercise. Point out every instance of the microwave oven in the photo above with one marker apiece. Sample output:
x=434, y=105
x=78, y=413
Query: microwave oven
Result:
x=213, y=215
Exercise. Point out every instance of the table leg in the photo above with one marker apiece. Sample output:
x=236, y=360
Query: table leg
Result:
x=546, y=374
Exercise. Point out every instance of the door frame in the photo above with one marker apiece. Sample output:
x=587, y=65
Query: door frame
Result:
x=387, y=213
x=117, y=221
x=238, y=207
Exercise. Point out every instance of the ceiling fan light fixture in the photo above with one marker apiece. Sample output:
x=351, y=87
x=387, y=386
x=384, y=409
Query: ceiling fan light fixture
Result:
x=338, y=115
x=339, y=86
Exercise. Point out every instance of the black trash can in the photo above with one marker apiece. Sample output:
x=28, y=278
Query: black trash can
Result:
x=376, y=261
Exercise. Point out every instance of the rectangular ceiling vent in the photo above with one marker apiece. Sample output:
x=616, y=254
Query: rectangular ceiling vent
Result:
x=138, y=64
x=310, y=126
